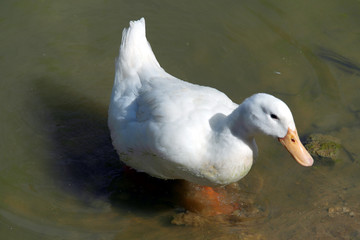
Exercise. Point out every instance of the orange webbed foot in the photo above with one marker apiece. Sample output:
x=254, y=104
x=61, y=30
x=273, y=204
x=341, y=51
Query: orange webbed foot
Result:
x=206, y=201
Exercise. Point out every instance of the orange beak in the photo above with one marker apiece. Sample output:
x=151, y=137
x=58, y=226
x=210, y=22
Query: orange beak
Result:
x=293, y=144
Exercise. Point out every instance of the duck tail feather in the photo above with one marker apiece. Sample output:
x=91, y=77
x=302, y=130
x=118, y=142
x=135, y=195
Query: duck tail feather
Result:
x=135, y=51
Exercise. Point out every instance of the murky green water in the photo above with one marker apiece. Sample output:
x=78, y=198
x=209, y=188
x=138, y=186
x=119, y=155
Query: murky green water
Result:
x=59, y=175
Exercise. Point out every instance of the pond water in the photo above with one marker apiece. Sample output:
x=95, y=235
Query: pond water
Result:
x=59, y=175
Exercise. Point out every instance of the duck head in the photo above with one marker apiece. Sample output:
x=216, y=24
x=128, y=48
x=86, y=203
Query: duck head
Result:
x=264, y=113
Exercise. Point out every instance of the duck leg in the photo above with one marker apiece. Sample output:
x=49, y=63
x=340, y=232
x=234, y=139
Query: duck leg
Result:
x=205, y=200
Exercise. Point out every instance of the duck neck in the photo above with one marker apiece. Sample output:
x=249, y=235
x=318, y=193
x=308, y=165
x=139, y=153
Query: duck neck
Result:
x=240, y=124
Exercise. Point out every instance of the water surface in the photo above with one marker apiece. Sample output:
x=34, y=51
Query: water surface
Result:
x=60, y=177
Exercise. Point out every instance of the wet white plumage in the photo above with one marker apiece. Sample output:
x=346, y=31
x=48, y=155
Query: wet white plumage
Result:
x=173, y=129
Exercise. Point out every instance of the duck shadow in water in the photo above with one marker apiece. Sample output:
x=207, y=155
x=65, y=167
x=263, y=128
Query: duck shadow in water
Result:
x=83, y=160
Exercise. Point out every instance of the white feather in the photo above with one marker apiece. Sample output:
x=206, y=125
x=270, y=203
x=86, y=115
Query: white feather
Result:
x=173, y=129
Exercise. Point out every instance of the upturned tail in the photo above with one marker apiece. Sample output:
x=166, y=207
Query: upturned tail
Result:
x=136, y=56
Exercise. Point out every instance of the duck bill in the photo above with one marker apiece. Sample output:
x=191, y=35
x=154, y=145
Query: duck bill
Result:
x=293, y=144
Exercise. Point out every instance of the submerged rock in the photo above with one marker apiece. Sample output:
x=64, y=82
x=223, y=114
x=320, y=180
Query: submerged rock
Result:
x=246, y=215
x=324, y=148
x=339, y=210
x=189, y=219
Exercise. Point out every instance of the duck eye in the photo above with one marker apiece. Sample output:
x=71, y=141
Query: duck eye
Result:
x=273, y=116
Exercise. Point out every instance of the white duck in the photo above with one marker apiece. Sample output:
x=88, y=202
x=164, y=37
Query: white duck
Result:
x=173, y=129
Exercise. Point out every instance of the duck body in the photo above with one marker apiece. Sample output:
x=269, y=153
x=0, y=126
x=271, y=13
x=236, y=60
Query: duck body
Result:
x=173, y=129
